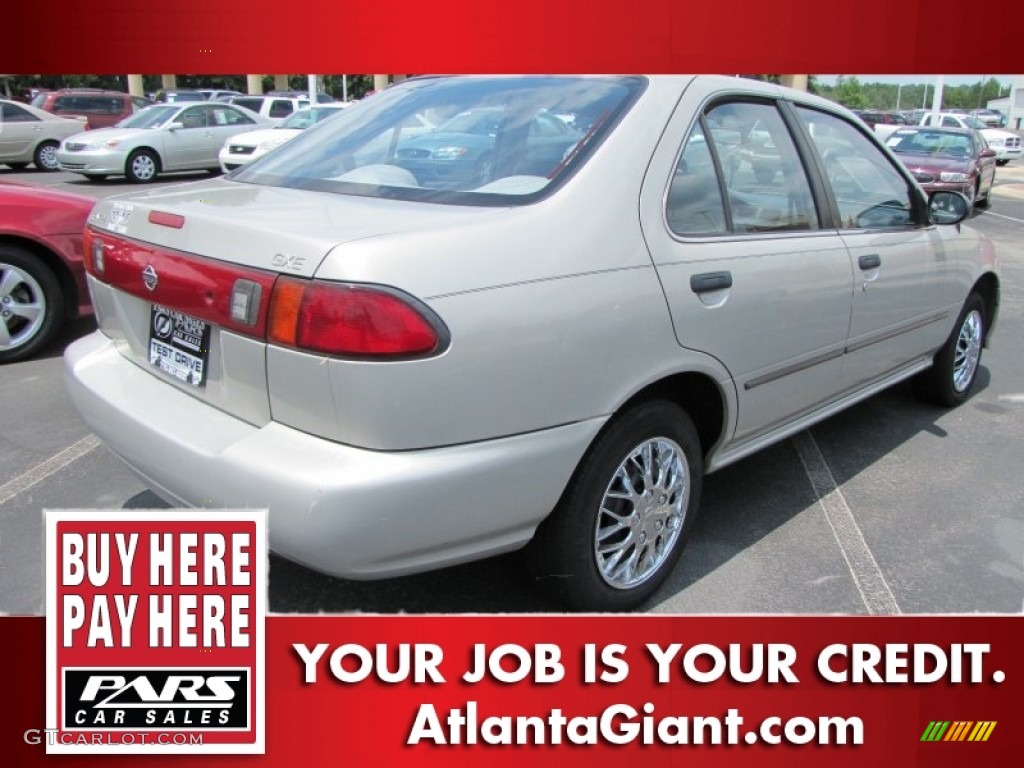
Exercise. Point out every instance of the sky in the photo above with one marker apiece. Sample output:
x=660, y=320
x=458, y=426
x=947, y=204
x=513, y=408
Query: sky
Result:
x=918, y=79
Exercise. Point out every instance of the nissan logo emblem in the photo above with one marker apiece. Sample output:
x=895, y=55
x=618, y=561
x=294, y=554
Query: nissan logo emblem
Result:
x=149, y=277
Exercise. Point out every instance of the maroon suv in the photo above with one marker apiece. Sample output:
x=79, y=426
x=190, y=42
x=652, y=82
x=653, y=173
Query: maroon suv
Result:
x=101, y=109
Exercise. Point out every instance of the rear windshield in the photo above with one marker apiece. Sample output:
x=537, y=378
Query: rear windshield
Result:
x=465, y=140
x=931, y=142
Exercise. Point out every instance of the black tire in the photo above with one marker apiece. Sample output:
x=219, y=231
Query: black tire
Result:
x=949, y=381
x=25, y=279
x=565, y=553
x=1002, y=162
x=45, y=157
x=17, y=166
x=142, y=166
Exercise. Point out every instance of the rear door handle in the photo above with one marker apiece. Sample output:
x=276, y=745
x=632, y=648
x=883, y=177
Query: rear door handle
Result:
x=871, y=261
x=710, y=281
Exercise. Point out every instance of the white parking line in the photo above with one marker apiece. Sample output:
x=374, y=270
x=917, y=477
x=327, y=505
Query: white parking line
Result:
x=873, y=588
x=1000, y=216
x=42, y=471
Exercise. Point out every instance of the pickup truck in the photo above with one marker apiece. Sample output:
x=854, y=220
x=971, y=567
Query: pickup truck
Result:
x=1007, y=145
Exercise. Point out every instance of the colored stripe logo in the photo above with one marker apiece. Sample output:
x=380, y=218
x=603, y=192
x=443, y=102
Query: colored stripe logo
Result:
x=958, y=730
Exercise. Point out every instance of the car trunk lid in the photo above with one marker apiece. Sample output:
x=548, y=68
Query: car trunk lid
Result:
x=212, y=252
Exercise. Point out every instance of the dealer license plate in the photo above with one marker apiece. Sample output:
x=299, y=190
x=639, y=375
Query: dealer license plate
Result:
x=179, y=344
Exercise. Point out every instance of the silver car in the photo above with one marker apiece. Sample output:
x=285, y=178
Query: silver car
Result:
x=157, y=139
x=544, y=340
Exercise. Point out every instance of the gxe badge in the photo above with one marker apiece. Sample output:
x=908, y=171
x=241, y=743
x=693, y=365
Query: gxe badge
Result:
x=149, y=277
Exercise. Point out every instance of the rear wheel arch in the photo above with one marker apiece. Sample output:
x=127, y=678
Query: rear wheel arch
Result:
x=697, y=394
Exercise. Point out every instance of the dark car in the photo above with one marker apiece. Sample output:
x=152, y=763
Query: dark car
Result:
x=100, y=108
x=948, y=159
x=461, y=150
x=42, y=277
x=874, y=117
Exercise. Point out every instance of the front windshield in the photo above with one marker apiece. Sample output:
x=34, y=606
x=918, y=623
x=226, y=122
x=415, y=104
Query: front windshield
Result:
x=974, y=122
x=468, y=140
x=931, y=143
x=150, y=117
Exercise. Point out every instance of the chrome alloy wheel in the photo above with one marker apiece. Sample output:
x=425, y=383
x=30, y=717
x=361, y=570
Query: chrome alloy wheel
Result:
x=22, y=307
x=642, y=512
x=968, y=351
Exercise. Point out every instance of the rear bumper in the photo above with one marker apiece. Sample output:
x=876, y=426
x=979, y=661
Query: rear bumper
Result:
x=342, y=510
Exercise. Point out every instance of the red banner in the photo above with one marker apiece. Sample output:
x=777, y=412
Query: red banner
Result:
x=214, y=36
x=538, y=690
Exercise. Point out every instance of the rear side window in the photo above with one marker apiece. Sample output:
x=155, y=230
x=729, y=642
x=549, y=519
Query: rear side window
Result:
x=694, y=202
x=758, y=166
x=253, y=104
x=869, y=192
x=89, y=105
x=12, y=113
x=104, y=105
x=65, y=104
x=280, y=108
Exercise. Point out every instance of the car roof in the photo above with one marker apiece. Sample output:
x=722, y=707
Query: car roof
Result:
x=101, y=91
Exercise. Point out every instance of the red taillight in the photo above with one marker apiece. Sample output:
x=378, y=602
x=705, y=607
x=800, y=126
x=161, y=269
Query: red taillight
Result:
x=87, y=241
x=351, y=320
x=92, y=251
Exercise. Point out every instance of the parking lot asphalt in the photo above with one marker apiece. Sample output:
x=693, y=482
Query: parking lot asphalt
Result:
x=890, y=507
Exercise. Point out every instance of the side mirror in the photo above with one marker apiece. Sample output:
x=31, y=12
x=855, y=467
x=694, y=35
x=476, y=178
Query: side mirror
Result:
x=175, y=126
x=988, y=153
x=948, y=208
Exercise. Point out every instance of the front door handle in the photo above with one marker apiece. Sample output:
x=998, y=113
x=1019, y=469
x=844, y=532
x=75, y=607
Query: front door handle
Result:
x=710, y=281
x=871, y=261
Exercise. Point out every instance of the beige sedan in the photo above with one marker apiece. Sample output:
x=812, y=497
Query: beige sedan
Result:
x=30, y=135
x=537, y=326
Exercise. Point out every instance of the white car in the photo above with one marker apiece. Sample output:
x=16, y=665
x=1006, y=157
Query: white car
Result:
x=1006, y=145
x=30, y=135
x=246, y=147
x=158, y=139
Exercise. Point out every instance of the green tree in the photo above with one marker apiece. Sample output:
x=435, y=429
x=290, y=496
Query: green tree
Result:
x=850, y=93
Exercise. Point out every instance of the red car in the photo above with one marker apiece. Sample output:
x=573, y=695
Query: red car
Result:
x=956, y=159
x=42, y=279
x=101, y=109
